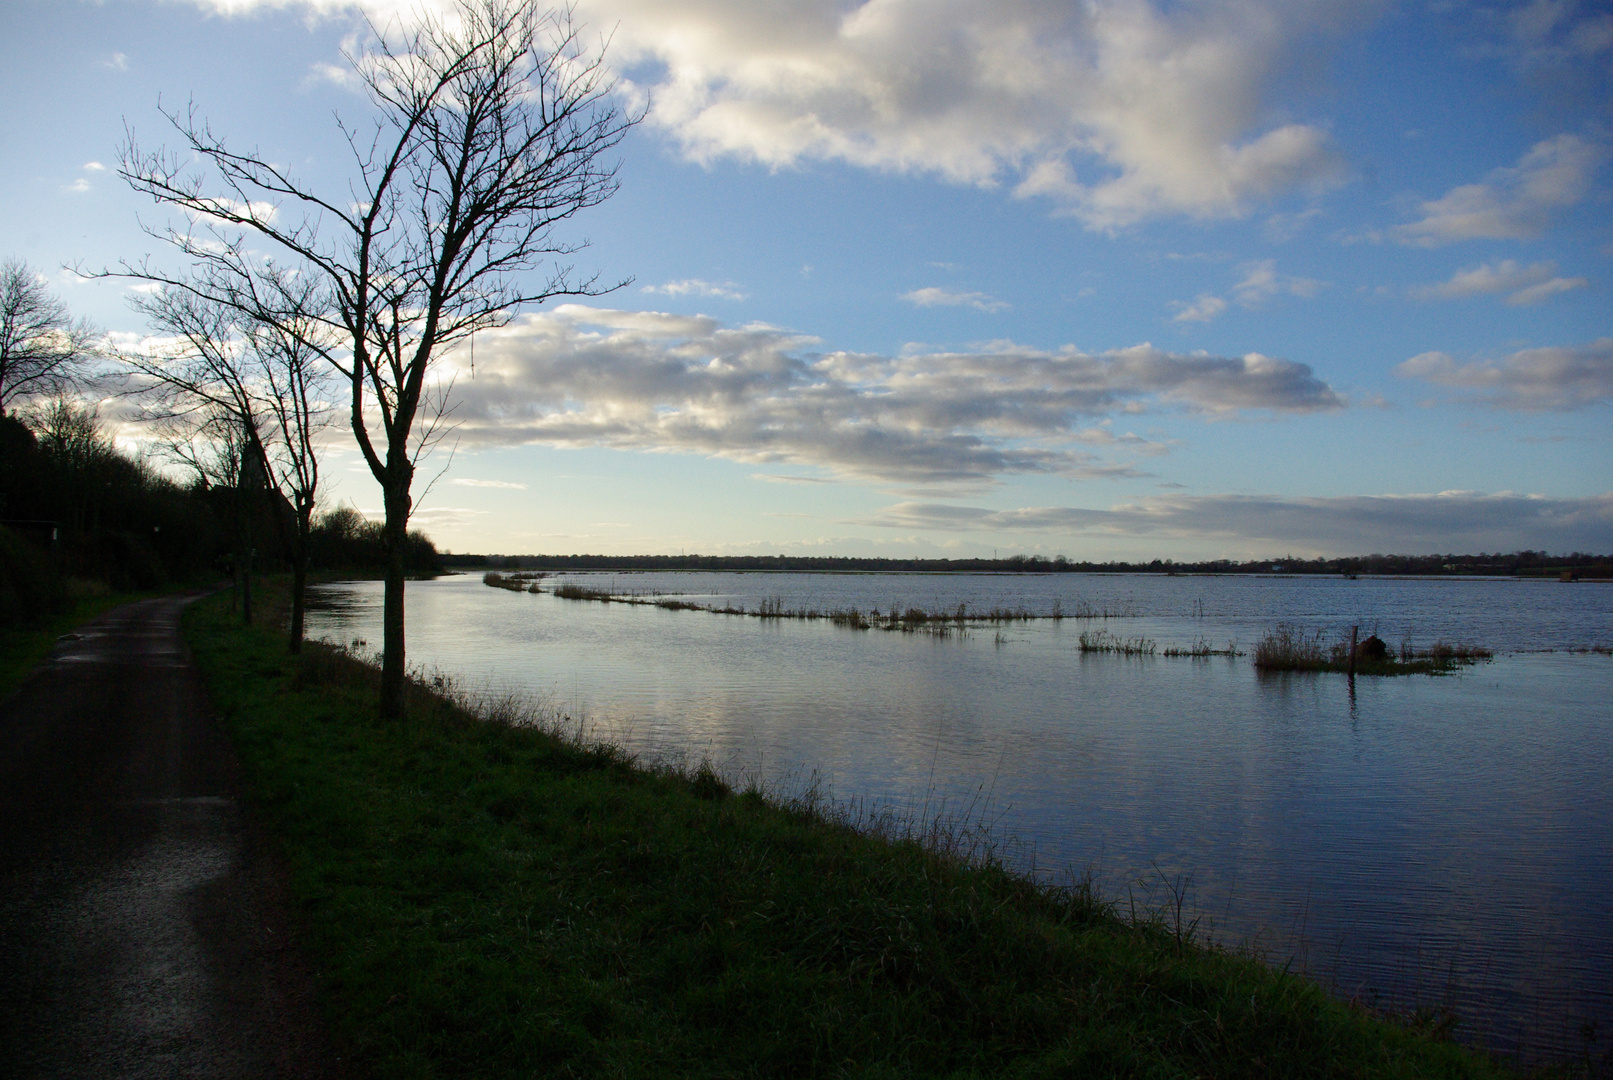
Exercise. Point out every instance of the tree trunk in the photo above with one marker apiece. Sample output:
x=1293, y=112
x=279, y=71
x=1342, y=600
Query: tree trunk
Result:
x=299, y=569
x=299, y=586
x=246, y=592
x=392, y=661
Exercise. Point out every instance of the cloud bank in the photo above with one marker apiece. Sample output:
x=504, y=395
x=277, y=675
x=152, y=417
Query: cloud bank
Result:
x=1553, y=378
x=585, y=376
x=1390, y=524
x=1117, y=110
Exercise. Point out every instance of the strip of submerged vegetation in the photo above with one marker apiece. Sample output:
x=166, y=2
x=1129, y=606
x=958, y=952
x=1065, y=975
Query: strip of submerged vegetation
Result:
x=910, y=619
x=1580, y=565
x=1102, y=641
x=486, y=893
x=1287, y=648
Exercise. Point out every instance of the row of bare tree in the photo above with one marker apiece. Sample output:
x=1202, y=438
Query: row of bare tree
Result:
x=490, y=126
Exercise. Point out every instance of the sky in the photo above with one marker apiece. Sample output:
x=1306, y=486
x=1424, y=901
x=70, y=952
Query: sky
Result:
x=1110, y=280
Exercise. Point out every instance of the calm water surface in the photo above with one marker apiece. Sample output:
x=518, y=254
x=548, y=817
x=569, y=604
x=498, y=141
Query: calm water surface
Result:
x=1420, y=841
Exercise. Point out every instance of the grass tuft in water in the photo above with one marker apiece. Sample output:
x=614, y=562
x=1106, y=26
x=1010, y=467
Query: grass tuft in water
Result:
x=1102, y=641
x=1202, y=648
x=1289, y=648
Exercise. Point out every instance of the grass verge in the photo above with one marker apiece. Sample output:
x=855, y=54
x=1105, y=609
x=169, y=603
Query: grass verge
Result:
x=483, y=898
x=22, y=650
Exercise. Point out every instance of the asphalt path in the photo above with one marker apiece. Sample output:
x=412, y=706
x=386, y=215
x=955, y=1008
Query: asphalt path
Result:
x=143, y=928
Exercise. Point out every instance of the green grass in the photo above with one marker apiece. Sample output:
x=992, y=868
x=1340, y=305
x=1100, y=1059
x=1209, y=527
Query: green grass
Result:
x=22, y=650
x=484, y=899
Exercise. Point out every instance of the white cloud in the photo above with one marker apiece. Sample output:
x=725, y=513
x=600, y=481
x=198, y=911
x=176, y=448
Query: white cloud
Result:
x=1527, y=284
x=1118, y=110
x=1553, y=378
x=1534, y=294
x=1204, y=307
x=79, y=185
x=261, y=210
x=434, y=517
x=1403, y=524
x=94, y=166
x=696, y=287
x=1514, y=203
x=781, y=478
x=1260, y=283
x=1552, y=32
x=587, y=376
x=937, y=297
x=502, y=484
x=119, y=62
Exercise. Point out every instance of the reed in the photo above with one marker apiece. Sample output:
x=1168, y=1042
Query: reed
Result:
x=1102, y=641
x=519, y=581
x=1202, y=647
x=1458, y=653
x=1289, y=648
x=582, y=592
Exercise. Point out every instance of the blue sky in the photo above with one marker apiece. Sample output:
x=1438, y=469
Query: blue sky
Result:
x=1107, y=280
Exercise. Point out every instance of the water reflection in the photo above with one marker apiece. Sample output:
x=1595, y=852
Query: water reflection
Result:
x=1411, y=841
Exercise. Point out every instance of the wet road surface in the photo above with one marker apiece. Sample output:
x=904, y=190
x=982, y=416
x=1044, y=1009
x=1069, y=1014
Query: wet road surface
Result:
x=142, y=921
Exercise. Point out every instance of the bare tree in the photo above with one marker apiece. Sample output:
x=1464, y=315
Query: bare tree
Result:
x=43, y=349
x=214, y=445
x=491, y=125
x=261, y=390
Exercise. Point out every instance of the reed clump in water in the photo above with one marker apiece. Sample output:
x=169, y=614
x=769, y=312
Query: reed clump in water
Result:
x=1102, y=641
x=1289, y=648
x=1202, y=648
x=520, y=581
x=580, y=592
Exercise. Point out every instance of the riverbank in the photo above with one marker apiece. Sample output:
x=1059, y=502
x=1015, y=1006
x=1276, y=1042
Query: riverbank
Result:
x=487, y=899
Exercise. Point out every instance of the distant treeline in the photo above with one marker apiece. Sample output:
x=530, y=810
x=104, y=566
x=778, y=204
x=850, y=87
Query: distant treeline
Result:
x=78, y=515
x=1525, y=563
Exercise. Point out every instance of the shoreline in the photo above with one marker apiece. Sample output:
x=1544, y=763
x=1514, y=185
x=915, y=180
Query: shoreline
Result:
x=484, y=804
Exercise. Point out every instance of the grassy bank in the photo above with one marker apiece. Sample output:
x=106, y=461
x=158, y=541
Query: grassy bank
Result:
x=22, y=649
x=483, y=899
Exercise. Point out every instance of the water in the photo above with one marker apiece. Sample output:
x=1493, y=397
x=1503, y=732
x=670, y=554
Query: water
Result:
x=1419, y=841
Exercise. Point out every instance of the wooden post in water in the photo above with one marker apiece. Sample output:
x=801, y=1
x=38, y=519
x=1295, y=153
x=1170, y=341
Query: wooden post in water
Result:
x=1354, y=630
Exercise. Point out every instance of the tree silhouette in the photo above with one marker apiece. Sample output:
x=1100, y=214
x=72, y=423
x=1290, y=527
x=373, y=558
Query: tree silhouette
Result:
x=490, y=128
x=258, y=390
x=43, y=349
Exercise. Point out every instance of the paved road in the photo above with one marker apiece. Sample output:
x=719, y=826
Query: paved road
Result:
x=142, y=924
